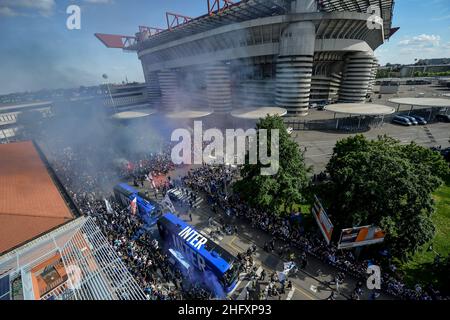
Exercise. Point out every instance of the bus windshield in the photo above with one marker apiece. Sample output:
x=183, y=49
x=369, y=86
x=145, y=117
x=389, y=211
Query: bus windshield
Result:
x=230, y=276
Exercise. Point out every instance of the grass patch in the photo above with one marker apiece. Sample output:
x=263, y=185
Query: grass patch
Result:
x=417, y=269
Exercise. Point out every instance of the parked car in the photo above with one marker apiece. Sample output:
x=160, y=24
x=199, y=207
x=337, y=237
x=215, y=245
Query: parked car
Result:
x=420, y=120
x=412, y=120
x=443, y=117
x=402, y=121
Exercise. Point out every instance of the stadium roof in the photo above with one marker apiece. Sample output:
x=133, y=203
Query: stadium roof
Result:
x=30, y=203
x=360, y=109
x=386, y=6
x=248, y=10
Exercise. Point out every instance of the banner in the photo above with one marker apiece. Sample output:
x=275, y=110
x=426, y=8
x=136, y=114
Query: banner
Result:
x=360, y=236
x=133, y=206
x=322, y=220
x=109, y=209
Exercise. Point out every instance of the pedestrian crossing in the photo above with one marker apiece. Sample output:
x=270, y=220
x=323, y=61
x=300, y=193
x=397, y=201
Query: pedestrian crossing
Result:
x=184, y=195
x=290, y=294
x=244, y=284
x=243, y=294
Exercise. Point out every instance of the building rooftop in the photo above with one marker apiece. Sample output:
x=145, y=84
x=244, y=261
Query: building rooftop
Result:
x=188, y=114
x=360, y=109
x=422, y=102
x=30, y=202
x=133, y=114
x=258, y=113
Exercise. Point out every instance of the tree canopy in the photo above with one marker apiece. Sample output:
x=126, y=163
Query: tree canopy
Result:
x=281, y=191
x=386, y=184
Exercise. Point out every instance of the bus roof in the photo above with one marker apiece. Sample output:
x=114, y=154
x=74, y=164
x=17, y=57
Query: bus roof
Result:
x=126, y=189
x=222, y=259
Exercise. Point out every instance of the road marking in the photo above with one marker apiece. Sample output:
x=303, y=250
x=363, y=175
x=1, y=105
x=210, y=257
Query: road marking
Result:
x=313, y=288
x=233, y=246
x=290, y=294
x=266, y=292
x=244, y=290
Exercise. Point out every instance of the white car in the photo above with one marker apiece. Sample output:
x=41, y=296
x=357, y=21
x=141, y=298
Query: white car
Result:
x=290, y=130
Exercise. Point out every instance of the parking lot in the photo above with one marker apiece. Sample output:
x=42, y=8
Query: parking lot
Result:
x=318, y=145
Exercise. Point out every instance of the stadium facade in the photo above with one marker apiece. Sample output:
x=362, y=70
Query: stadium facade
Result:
x=256, y=53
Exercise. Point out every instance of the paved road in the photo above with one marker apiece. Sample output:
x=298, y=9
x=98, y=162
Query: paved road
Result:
x=309, y=284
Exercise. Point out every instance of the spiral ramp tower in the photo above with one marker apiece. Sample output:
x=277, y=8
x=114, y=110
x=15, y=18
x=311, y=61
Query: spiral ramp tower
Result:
x=357, y=77
x=153, y=89
x=169, y=90
x=218, y=88
x=373, y=76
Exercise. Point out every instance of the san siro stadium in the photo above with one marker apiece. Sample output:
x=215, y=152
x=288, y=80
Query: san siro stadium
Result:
x=259, y=53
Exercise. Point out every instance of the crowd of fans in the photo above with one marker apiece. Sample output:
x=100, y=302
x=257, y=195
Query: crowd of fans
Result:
x=145, y=259
x=88, y=182
x=215, y=182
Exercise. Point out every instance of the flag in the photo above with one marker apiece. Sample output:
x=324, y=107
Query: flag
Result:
x=167, y=203
x=133, y=206
x=281, y=276
x=109, y=209
x=149, y=177
x=288, y=266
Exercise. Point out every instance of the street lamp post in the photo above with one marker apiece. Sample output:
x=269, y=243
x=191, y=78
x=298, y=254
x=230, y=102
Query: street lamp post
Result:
x=105, y=76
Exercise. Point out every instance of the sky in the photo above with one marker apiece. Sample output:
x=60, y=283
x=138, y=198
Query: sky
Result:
x=37, y=51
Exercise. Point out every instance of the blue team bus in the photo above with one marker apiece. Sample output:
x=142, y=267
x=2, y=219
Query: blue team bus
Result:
x=205, y=255
x=146, y=210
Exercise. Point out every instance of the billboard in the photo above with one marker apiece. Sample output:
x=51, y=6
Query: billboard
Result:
x=360, y=236
x=322, y=219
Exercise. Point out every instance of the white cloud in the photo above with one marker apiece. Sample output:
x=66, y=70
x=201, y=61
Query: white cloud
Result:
x=22, y=7
x=421, y=41
x=424, y=46
x=7, y=11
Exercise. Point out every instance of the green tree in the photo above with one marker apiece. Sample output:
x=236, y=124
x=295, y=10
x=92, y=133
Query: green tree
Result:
x=386, y=184
x=280, y=192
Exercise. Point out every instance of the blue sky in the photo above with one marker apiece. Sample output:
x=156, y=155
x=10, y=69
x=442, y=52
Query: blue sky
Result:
x=38, y=51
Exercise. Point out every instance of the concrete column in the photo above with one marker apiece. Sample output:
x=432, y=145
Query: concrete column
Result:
x=218, y=88
x=294, y=67
x=357, y=77
x=169, y=90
